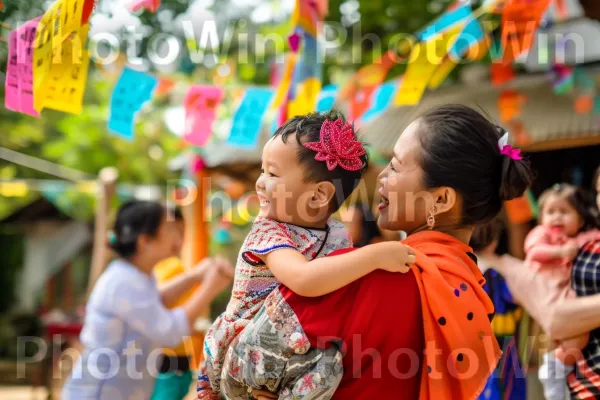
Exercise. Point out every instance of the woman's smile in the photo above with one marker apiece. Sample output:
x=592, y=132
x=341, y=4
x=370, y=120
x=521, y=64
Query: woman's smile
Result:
x=384, y=201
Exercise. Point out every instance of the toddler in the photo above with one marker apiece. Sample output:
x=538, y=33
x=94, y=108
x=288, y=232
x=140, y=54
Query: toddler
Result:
x=566, y=223
x=309, y=167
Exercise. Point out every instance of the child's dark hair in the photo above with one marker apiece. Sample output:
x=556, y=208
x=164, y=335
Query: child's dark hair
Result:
x=577, y=198
x=307, y=128
x=484, y=234
x=460, y=150
x=135, y=218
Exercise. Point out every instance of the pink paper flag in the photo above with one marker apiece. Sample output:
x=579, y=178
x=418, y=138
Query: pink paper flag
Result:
x=201, y=104
x=294, y=41
x=139, y=5
x=19, y=77
x=12, y=99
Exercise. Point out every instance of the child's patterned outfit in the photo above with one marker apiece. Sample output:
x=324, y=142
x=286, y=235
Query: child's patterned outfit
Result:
x=254, y=282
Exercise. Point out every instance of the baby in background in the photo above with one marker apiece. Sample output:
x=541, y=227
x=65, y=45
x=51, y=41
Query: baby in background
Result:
x=567, y=222
x=309, y=168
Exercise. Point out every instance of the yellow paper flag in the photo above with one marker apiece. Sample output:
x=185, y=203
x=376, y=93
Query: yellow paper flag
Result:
x=59, y=23
x=424, y=60
x=286, y=81
x=65, y=84
x=306, y=98
x=442, y=72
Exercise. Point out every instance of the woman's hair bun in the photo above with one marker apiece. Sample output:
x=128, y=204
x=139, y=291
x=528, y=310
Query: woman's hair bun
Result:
x=516, y=177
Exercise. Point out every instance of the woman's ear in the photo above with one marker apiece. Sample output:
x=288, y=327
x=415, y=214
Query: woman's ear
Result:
x=445, y=199
x=142, y=242
x=323, y=193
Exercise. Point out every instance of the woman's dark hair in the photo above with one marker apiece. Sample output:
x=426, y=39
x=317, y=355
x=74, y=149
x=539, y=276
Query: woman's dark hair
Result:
x=577, y=198
x=596, y=177
x=484, y=234
x=135, y=218
x=460, y=150
x=369, y=230
x=307, y=128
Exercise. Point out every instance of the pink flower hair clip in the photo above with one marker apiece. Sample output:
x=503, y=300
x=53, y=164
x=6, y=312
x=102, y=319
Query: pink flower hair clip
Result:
x=338, y=146
x=507, y=150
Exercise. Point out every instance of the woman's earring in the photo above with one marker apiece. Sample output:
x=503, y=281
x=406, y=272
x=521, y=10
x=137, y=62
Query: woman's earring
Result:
x=431, y=218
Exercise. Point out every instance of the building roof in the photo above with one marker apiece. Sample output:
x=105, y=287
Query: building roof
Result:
x=38, y=210
x=549, y=119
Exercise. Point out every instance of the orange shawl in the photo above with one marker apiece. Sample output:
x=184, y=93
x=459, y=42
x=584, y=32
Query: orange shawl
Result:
x=461, y=350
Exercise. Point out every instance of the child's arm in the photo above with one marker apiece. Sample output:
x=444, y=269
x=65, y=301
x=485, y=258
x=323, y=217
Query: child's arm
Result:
x=327, y=274
x=544, y=253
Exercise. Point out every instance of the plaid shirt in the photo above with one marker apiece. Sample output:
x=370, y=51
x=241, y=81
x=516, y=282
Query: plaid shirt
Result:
x=585, y=381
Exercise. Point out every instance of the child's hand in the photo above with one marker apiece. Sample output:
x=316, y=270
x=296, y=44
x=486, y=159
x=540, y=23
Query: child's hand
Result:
x=394, y=256
x=570, y=251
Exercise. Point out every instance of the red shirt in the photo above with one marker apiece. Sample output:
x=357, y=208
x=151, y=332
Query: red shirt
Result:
x=379, y=321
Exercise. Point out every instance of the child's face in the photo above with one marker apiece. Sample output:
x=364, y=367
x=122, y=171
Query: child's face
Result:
x=284, y=195
x=559, y=216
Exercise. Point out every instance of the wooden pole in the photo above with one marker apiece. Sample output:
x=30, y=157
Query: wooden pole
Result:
x=197, y=240
x=105, y=193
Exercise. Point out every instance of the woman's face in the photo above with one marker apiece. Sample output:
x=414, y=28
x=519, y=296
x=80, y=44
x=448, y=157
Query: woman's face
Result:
x=160, y=246
x=404, y=199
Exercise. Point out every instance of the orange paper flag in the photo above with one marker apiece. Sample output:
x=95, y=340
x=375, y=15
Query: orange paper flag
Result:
x=164, y=86
x=509, y=104
x=584, y=104
x=520, y=19
x=501, y=73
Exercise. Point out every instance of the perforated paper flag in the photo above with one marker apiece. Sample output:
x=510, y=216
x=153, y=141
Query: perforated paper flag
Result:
x=448, y=20
x=201, y=104
x=64, y=86
x=381, y=100
x=139, y=5
x=306, y=98
x=425, y=58
x=520, y=19
x=247, y=120
x=19, y=69
x=133, y=89
x=61, y=23
x=469, y=37
x=326, y=98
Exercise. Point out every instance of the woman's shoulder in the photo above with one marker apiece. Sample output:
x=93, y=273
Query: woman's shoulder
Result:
x=377, y=288
x=121, y=279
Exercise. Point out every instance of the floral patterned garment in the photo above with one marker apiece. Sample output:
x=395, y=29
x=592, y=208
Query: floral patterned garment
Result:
x=275, y=353
x=254, y=282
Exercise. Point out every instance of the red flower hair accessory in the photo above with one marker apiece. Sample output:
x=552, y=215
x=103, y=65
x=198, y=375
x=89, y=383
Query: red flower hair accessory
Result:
x=338, y=146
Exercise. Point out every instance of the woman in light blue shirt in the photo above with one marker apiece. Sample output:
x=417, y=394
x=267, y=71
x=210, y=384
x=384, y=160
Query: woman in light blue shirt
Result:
x=127, y=322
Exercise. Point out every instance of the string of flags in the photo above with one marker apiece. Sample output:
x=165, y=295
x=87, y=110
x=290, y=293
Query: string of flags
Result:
x=48, y=65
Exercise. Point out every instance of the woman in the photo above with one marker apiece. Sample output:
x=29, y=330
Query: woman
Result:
x=425, y=334
x=126, y=315
x=579, y=316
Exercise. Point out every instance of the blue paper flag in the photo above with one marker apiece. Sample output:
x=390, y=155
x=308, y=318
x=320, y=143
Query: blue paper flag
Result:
x=133, y=89
x=445, y=21
x=326, y=98
x=382, y=97
x=469, y=37
x=307, y=65
x=247, y=120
